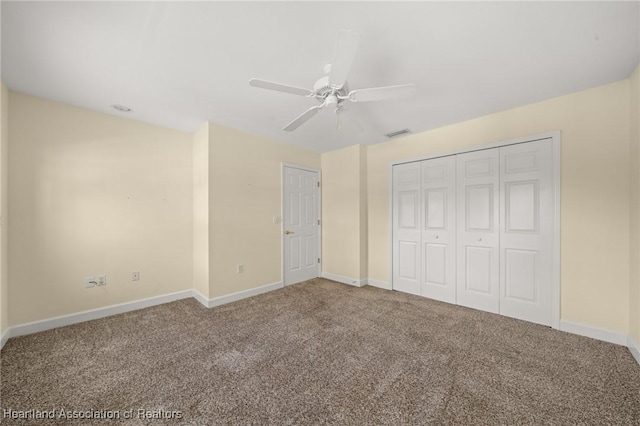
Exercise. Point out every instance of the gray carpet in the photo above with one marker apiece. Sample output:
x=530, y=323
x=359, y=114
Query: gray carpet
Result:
x=322, y=353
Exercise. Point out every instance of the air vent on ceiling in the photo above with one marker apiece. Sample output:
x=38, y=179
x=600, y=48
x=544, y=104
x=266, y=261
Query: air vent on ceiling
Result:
x=121, y=108
x=398, y=133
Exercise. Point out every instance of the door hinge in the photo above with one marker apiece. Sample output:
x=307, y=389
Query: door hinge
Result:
x=318, y=184
x=318, y=221
x=318, y=260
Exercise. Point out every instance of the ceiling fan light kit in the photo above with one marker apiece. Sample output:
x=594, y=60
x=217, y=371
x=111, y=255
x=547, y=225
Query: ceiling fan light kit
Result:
x=333, y=89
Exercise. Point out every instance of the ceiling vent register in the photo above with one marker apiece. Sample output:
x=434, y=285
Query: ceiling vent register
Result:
x=397, y=133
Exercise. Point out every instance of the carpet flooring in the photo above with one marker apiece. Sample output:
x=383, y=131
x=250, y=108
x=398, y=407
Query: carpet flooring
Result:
x=319, y=352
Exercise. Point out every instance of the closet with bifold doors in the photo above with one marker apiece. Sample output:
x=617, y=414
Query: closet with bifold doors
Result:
x=478, y=229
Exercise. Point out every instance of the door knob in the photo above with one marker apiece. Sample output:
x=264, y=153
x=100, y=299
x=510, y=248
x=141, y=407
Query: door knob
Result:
x=289, y=232
x=479, y=239
x=437, y=237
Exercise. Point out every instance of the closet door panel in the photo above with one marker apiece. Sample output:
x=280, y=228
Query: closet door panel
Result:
x=438, y=230
x=407, y=204
x=526, y=231
x=477, y=193
x=477, y=229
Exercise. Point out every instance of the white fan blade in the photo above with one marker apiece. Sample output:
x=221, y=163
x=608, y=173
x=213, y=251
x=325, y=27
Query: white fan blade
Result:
x=279, y=87
x=345, y=51
x=382, y=93
x=302, y=118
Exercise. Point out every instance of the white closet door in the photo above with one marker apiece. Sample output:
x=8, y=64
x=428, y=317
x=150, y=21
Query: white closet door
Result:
x=438, y=228
x=478, y=275
x=526, y=231
x=406, y=228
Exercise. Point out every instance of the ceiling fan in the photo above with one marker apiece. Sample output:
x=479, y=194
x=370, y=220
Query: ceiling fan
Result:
x=332, y=89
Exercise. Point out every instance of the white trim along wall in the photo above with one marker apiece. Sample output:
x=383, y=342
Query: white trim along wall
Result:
x=343, y=279
x=107, y=311
x=61, y=321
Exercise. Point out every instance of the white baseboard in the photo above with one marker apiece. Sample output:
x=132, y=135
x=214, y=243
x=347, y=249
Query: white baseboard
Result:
x=380, y=284
x=61, y=321
x=634, y=348
x=64, y=320
x=344, y=280
x=4, y=338
x=233, y=297
x=200, y=298
x=594, y=332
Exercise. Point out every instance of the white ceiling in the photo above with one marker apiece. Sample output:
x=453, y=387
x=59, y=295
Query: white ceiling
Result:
x=179, y=64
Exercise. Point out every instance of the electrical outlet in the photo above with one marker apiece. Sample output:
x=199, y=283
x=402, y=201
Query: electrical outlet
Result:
x=240, y=269
x=135, y=276
x=101, y=280
x=89, y=282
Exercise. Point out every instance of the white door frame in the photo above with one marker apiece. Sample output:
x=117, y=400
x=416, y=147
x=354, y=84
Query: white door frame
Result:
x=282, y=212
x=554, y=137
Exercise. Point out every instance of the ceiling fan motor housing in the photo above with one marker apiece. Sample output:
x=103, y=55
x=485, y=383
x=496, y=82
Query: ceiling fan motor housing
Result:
x=322, y=89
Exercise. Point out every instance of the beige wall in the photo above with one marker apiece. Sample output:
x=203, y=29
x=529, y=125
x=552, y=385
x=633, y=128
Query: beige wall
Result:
x=201, y=210
x=344, y=212
x=90, y=194
x=595, y=192
x=244, y=194
x=634, y=290
x=4, y=171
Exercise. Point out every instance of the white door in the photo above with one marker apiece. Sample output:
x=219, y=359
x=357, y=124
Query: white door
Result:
x=301, y=228
x=407, y=269
x=526, y=231
x=439, y=228
x=478, y=274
